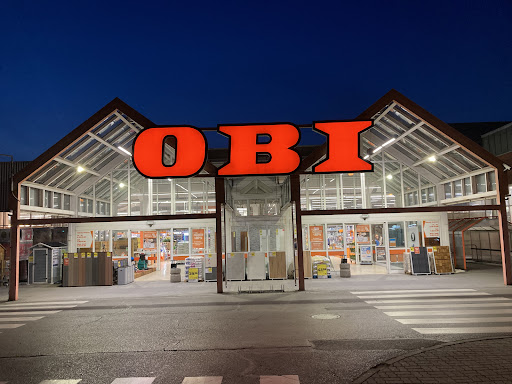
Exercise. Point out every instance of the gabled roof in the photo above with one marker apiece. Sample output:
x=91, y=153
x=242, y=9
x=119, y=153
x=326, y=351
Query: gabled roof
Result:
x=411, y=135
x=99, y=144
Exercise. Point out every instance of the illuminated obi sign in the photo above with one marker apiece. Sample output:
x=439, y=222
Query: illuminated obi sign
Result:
x=248, y=145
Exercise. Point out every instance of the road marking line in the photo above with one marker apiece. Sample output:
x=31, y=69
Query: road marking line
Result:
x=38, y=307
x=10, y=326
x=134, y=380
x=28, y=313
x=203, y=380
x=11, y=319
x=44, y=303
x=60, y=381
x=451, y=313
x=286, y=379
x=425, y=295
x=453, y=305
x=440, y=300
x=414, y=291
x=457, y=320
x=430, y=331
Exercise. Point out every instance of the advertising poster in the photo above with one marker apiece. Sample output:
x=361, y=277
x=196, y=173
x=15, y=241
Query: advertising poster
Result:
x=380, y=253
x=193, y=274
x=84, y=239
x=198, y=239
x=316, y=237
x=149, y=239
x=366, y=254
x=321, y=270
x=363, y=233
x=350, y=233
x=431, y=228
x=25, y=250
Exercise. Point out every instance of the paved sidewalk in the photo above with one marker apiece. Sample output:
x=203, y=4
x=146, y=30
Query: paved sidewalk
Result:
x=472, y=361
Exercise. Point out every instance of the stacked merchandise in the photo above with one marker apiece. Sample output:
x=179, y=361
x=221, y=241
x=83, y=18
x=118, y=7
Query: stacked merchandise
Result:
x=442, y=260
x=194, y=271
x=321, y=267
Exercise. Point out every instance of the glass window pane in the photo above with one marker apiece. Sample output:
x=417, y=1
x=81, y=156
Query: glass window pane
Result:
x=457, y=188
x=467, y=186
x=47, y=199
x=448, y=191
x=396, y=235
x=491, y=181
x=480, y=183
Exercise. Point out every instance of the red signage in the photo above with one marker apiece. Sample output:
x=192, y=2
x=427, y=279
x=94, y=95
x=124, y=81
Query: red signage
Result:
x=254, y=149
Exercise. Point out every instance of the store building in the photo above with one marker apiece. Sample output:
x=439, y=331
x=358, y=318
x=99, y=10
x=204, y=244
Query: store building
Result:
x=426, y=176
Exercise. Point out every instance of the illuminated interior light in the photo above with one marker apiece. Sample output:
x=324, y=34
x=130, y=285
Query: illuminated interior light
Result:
x=377, y=149
x=432, y=159
x=80, y=169
x=124, y=150
x=367, y=156
x=388, y=142
x=389, y=177
x=121, y=185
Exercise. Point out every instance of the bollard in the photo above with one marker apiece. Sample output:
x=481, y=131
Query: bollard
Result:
x=344, y=268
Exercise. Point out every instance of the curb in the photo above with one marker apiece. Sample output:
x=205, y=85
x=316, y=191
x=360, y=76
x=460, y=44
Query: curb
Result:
x=372, y=371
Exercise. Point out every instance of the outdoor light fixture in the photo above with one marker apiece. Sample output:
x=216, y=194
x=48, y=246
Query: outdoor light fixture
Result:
x=80, y=169
x=121, y=185
x=124, y=150
x=432, y=158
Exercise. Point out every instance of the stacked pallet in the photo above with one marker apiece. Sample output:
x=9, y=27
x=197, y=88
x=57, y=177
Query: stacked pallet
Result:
x=321, y=267
x=442, y=260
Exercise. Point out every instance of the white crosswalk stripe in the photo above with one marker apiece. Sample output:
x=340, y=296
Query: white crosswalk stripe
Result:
x=10, y=326
x=28, y=313
x=203, y=380
x=430, y=331
x=61, y=381
x=9, y=308
x=413, y=291
x=44, y=303
x=11, y=319
x=134, y=380
x=430, y=307
x=287, y=379
x=15, y=315
x=440, y=300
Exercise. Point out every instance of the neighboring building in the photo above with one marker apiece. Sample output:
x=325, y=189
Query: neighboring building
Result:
x=427, y=176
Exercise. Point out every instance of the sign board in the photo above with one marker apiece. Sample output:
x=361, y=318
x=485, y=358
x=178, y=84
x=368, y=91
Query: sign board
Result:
x=193, y=274
x=431, y=228
x=149, y=239
x=392, y=242
x=316, y=237
x=84, y=239
x=342, y=140
x=197, y=239
x=321, y=269
x=363, y=233
x=365, y=252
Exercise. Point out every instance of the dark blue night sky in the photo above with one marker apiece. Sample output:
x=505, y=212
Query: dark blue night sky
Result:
x=210, y=62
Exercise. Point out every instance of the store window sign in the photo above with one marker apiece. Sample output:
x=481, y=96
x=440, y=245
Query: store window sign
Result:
x=431, y=228
x=84, y=239
x=254, y=149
